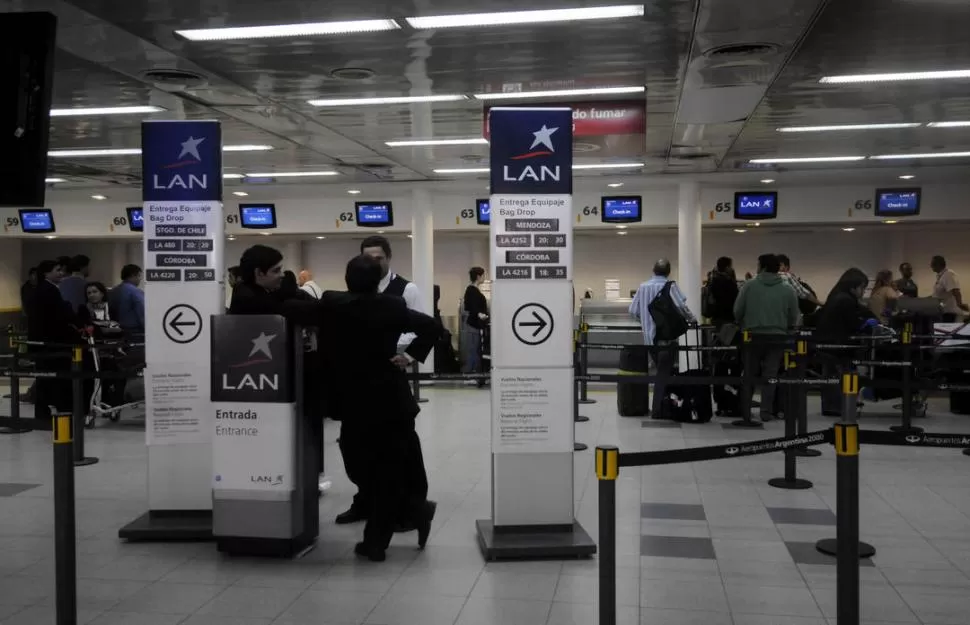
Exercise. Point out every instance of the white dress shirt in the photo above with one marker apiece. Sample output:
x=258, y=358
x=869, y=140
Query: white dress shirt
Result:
x=312, y=288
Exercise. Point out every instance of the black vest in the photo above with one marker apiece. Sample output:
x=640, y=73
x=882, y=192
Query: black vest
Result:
x=396, y=286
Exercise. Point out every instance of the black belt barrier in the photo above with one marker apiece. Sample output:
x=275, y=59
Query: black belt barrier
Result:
x=720, y=452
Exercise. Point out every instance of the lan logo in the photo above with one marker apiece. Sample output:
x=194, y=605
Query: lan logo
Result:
x=543, y=141
x=189, y=155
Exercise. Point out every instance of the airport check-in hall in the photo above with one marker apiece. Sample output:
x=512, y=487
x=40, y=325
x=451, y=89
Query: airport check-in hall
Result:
x=484, y=314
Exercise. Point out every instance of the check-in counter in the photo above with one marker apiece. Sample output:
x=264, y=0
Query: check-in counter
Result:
x=610, y=322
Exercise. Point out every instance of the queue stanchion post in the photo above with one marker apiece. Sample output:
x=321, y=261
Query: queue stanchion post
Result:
x=584, y=364
x=801, y=392
x=747, y=391
x=14, y=391
x=607, y=472
x=416, y=383
x=907, y=427
x=791, y=480
x=578, y=384
x=847, y=543
x=577, y=418
x=65, y=544
x=79, y=410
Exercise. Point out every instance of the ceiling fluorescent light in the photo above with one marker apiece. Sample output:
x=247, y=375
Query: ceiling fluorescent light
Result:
x=848, y=127
x=907, y=177
x=232, y=176
x=615, y=185
x=808, y=159
x=54, y=180
x=429, y=142
x=246, y=148
x=767, y=181
x=892, y=157
x=99, y=152
x=388, y=100
x=137, y=151
x=561, y=93
x=110, y=110
x=292, y=174
x=899, y=76
x=526, y=17
x=948, y=124
x=469, y=170
x=608, y=166
x=288, y=30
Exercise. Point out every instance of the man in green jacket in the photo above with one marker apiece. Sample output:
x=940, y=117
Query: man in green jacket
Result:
x=767, y=308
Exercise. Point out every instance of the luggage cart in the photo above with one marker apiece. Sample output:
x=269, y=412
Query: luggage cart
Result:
x=99, y=409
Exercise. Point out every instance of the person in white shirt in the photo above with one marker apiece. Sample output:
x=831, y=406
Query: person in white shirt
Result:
x=354, y=451
x=307, y=284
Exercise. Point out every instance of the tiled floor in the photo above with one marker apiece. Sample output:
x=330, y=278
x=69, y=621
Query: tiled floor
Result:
x=704, y=544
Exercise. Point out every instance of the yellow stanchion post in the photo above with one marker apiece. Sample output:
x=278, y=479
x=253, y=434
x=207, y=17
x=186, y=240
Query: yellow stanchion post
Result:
x=607, y=472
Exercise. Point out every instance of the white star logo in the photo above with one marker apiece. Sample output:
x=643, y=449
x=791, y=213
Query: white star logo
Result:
x=261, y=344
x=543, y=136
x=191, y=147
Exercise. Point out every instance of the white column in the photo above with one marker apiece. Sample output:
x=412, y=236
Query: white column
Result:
x=422, y=254
x=293, y=256
x=688, y=269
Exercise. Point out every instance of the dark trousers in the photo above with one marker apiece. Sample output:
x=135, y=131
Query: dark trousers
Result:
x=764, y=361
x=663, y=365
x=353, y=445
x=396, y=481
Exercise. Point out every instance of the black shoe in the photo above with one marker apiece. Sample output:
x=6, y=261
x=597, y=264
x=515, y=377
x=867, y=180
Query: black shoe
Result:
x=404, y=527
x=351, y=516
x=373, y=554
x=424, y=526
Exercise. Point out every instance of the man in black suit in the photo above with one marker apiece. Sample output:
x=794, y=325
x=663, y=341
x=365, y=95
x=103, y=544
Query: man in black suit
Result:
x=368, y=392
x=261, y=272
x=51, y=320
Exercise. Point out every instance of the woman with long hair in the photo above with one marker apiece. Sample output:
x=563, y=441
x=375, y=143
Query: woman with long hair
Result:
x=842, y=317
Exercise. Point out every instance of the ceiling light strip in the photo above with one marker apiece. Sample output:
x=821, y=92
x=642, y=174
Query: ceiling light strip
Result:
x=137, y=151
x=895, y=77
x=808, y=159
x=289, y=30
x=291, y=174
x=387, y=100
x=560, y=93
x=890, y=157
x=432, y=142
x=849, y=127
x=955, y=124
x=585, y=166
x=526, y=17
x=110, y=110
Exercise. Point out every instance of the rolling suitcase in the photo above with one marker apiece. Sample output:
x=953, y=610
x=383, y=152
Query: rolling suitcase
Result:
x=689, y=403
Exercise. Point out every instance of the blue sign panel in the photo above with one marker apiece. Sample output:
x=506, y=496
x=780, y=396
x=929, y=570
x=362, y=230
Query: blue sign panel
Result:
x=181, y=161
x=531, y=150
x=756, y=205
x=897, y=202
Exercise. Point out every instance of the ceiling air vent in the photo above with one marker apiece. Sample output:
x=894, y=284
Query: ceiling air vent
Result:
x=741, y=50
x=352, y=73
x=171, y=79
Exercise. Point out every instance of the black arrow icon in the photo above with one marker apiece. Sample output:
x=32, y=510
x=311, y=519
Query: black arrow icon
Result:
x=177, y=323
x=539, y=324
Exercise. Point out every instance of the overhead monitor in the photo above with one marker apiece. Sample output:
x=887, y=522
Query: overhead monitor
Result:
x=622, y=209
x=37, y=221
x=374, y=214
x=257, y=216
x=755, y=205
x=897, y=202
x=483, y=212
x=136, y=219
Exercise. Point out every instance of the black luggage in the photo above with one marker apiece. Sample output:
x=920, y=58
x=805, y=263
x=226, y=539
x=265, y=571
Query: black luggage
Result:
x=689, y=403
x=633, y=398
x=727, y=399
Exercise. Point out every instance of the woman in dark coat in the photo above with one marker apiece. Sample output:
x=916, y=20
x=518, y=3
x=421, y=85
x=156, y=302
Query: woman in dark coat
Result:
x=842, y=317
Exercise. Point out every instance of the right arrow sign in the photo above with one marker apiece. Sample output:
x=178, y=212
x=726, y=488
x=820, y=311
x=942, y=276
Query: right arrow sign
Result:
x=532, y=324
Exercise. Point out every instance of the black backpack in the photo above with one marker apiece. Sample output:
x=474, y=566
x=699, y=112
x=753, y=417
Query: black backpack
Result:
x=667, y=315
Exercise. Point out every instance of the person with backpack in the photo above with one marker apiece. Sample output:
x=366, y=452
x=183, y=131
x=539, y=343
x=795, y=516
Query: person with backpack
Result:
x=808, y=303
x=768, y=309
x=721, y=293
x=661, y=308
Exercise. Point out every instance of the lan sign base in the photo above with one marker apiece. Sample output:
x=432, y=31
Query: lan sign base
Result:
x=539, y=543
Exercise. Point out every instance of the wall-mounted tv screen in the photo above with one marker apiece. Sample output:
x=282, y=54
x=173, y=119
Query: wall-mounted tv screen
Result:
x=483, y=212
x=257, y=216
x=897, y=202
x=622, y=209
x=136, y=219
x=374, y=214
x=36, y=221
x=755, y=205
